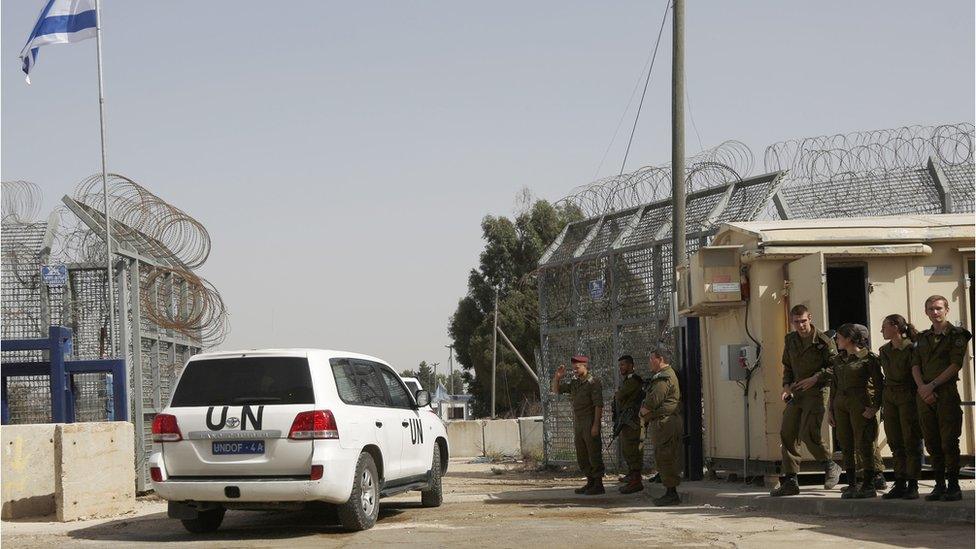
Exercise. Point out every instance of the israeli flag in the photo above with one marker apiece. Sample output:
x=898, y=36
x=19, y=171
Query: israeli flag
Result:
x=60, y=22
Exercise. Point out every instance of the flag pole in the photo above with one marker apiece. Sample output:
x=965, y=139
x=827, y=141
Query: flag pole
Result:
x=110, y=300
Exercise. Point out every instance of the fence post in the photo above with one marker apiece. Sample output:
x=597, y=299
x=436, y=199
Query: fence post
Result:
x=59, y=410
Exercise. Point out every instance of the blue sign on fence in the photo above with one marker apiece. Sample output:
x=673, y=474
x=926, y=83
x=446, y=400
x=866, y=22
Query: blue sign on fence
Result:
x=54, y=275
x=596, y=288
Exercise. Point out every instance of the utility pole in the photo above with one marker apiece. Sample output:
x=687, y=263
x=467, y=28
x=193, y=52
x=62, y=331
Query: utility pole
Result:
x=677, y=162
x=450, y=365
x=433, y=385
x=494, y=354
x=690, y=373
x=678, y=135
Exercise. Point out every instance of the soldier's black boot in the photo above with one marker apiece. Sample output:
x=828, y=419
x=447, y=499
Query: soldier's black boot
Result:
x=670, y=497
x=635, y=485
x=596, y=488
x=851, y=477
x=911, y=490
x=629, y=477
x=788, y=486
x=953, y=492
x=589, y=482
x=897, y=491
x=879, y=481
x=867, y=489
x=940, y=488
x=831, y=474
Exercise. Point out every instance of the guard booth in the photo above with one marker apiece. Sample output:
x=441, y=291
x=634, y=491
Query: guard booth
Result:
x=859, y=270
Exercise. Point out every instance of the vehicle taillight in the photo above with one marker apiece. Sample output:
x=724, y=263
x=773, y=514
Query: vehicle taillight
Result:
x=314, y=424
x=165, y=429
x=156, y=474
x=317, y=472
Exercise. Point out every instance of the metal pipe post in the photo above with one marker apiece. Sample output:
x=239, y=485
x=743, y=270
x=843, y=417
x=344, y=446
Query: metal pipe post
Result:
x=109, y=299
x=450, y=365
x=494, y=355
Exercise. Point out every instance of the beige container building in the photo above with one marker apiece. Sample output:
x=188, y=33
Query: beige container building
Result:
x=845, y=270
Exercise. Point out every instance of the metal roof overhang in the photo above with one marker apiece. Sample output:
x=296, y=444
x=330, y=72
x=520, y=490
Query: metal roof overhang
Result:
x=868, y=250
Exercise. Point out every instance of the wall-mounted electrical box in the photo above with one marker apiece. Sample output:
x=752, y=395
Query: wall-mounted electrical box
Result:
x=735, y=360
x=713, y=281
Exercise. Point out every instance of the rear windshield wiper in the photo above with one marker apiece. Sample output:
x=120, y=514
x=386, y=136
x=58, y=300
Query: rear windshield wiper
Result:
x=246, y=400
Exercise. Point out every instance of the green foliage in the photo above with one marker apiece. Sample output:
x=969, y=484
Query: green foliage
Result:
x=511, y=254
x=424, y=373
x=445, y=380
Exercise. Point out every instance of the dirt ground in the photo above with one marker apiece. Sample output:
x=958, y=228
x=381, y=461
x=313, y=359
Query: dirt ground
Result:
x=497, y=506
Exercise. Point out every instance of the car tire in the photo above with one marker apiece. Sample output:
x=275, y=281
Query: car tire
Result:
x=363, y=507
x=433, y=496
x=206, y=521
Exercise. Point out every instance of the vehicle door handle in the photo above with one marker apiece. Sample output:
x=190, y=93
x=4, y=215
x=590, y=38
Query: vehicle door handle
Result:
x=405, y=423
x=379, y=423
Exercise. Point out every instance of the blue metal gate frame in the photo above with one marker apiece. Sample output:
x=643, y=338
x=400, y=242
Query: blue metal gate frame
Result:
x=58, y=344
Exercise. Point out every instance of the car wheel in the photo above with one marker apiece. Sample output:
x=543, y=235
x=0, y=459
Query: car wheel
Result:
x=363, y=506
x=206, y=521
x=433, y=496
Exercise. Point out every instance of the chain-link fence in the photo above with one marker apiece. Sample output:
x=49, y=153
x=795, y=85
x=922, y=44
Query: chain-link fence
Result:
x=605, y=284
x=605, y=291
x=164, y=312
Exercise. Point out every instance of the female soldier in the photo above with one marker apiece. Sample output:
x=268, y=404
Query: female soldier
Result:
x=900, y=413
x=855, y=398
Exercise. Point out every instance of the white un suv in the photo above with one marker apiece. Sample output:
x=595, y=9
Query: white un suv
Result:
x=275, y=429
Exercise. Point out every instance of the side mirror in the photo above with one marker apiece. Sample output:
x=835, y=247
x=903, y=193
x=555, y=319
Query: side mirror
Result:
x=423, y=398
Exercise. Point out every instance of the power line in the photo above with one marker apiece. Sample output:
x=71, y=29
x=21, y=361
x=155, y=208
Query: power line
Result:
x=692, y=117
x=646, y=82
x=623, y=115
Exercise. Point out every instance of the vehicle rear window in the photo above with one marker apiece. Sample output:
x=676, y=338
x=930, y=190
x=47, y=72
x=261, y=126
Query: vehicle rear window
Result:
x=247, y=380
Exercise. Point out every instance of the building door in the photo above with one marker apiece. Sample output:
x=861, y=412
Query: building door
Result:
x=807, y=280
x=847, y=296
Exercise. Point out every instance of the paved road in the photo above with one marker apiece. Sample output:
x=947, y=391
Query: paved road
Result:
x=498, y=506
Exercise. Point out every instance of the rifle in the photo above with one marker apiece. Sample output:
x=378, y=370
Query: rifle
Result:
x=629, y=416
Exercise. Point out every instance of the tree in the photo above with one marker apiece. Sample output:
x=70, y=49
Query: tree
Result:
x=424, y=373
x=511, y=254
x=445, y=380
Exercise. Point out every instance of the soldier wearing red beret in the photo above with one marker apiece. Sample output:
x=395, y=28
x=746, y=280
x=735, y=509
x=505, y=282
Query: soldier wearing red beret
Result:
x=586, y=395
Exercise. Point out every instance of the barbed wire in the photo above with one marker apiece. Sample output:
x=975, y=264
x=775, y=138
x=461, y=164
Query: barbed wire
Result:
x=821, y=158
x=21, y=201
x=180, y=244
x=727, y=162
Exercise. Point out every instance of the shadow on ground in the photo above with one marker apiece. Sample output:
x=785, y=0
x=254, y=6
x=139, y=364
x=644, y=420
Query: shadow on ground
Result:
x=853, y=529
x=237, y=526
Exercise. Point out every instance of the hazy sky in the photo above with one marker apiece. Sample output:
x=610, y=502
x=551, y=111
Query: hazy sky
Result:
x=342, y=155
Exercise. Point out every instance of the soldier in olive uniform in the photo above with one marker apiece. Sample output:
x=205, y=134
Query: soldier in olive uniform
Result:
x=807, y=356
x=940, y=352
x=586, y=395
x=900, y=413
x=855, y=399
x=662, y=412
x=626, y=402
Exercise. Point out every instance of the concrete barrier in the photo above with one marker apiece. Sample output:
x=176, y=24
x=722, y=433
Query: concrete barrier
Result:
x=502, y=437
x=530, y=436
x=72, y=471
x=93, y=462
x=28, y=470
x=467, y=438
